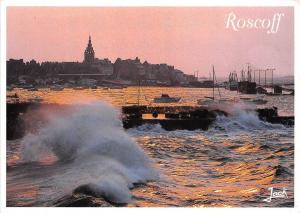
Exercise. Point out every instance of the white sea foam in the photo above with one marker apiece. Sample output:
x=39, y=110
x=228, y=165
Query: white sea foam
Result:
x=95, y=150
x=241, y=117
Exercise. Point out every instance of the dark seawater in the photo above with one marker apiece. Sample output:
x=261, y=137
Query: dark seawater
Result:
x=87, y=159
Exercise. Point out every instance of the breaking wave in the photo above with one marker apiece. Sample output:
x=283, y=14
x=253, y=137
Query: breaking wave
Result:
x=241, y=118
x=92, y=149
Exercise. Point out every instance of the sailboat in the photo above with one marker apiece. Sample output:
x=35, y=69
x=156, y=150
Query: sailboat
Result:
x=258, y=100
x=138, y=97
x=210, y=100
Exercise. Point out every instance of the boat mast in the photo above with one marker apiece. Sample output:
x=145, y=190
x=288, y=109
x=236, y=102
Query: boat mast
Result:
x=213, y=82
x=139, y=91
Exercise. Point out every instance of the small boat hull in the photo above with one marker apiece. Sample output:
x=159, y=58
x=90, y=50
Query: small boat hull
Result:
x=166, y=100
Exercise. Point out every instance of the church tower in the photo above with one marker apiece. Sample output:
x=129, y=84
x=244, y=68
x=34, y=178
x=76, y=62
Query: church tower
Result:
x=89, y=54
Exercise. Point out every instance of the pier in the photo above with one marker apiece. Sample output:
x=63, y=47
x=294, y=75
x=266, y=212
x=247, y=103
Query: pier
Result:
x=254, y=81
x=169, y=118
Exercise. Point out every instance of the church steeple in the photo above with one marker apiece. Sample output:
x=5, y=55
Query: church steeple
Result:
x=89, y=53
x=90, y=40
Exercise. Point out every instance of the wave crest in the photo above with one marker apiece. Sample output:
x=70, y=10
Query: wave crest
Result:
x=95, y=150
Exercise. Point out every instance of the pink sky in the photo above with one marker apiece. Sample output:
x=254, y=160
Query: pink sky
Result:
x=189, y=38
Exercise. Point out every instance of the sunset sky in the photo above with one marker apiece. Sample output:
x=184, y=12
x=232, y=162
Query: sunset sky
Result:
x=189, y=38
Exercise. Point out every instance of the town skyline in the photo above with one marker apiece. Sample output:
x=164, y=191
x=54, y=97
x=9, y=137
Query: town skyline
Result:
x=176, y=40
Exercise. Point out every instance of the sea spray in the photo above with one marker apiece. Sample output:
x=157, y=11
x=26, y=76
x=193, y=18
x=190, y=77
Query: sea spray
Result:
x=92, y=149
x=242, y=117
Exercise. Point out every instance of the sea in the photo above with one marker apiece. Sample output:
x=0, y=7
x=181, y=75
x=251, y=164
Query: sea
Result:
x=84, y=157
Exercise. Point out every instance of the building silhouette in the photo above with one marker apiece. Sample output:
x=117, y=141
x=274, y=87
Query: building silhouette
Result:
x=92, y=68
x=89, y=53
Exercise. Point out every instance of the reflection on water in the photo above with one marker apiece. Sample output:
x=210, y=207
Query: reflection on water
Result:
x=218, y=169
x=129, y=95
x=232, y=164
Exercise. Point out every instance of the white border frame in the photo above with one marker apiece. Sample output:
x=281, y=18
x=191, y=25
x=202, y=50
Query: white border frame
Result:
x=139, y=3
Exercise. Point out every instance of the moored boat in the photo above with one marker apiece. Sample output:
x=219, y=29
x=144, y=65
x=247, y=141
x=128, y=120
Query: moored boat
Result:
x=209, y=101
x=165, y=98
x=259, y=100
